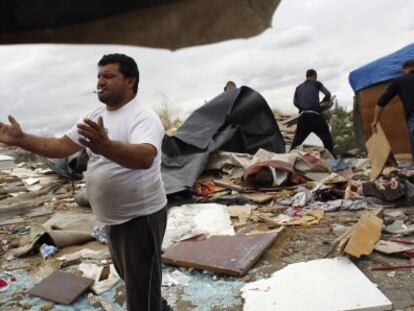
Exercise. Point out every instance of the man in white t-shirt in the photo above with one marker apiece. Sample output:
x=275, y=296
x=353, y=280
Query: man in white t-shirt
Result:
x=123, y=179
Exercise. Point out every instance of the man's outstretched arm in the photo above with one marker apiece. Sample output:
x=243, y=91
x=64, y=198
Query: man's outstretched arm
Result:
x=377, y=116
x=385, y=98
x=13, y=135
x=325, y=92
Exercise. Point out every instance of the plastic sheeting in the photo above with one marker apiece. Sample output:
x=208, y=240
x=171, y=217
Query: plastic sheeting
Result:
x=237, y=121
x=380, y=70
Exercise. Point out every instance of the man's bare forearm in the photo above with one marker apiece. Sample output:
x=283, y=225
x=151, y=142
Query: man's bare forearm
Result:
x=48, y=146
x=377, y=114
x=133, y=156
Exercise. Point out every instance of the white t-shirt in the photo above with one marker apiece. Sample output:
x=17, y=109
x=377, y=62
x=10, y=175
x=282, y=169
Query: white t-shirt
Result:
x=116, y=193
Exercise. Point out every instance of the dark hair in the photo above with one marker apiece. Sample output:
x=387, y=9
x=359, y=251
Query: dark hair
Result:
x=311, y=73
x=408, y=63
x=228, y=84
x=127, y=66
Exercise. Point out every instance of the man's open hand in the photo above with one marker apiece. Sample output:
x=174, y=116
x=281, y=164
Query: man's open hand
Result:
x=11, y=134
x=94, y=136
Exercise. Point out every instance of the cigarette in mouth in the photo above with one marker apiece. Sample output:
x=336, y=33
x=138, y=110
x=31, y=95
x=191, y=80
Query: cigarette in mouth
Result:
x=97, y=91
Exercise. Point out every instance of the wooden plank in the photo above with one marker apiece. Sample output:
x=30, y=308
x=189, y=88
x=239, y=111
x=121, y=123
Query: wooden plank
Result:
x=227, y=185
x=364, y=236
x=233, y=255
x=258, y=197
x=11, y=220
x=61, y=287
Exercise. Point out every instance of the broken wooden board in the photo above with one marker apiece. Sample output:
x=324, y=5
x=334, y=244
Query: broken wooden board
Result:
x=61, y=287
x=340, y=243
x=241, y=212
x=317, y=285
x=232, y=255
x=306, y=218
x=389, y=247
x=364, y=236
x=379, y=151
x=258, y=197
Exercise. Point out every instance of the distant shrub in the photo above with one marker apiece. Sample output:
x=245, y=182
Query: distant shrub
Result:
x=165, y=115
x=342, y=128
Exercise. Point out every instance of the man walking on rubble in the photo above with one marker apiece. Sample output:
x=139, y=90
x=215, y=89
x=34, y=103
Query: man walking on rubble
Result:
x=306, y=99
x=124, y=185
x=403, y=87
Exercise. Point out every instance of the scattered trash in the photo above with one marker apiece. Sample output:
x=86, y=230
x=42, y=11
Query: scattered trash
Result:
x=86, y=254
x=4, y=285
x=302, y=197
x=105, y=276
x=239, y=203
x=6, y=162
x=99, y=302
x=364, y=235
x=396, y=267
x=175, y=278
x=399, y=227
x=379, y=152
x=390, y=247
x=99, y=234
x=48, y=250
x=81, y=198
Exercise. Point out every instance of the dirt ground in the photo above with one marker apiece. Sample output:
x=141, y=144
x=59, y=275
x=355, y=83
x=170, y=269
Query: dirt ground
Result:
x=295, y=244
x=298, y=244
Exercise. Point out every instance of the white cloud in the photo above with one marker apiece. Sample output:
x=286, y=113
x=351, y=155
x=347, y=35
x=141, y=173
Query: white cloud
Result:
x=48, y=86
x=296, y=36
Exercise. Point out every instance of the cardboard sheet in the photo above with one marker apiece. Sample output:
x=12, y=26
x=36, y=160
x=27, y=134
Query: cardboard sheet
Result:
x=379, y=150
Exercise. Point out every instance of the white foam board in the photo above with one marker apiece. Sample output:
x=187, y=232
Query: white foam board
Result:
x=317, y=285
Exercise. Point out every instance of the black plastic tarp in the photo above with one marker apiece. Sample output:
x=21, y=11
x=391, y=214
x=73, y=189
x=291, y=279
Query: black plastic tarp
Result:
x=237, y=121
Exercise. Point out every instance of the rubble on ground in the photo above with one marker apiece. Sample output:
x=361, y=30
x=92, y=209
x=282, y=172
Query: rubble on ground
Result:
x=252, y=219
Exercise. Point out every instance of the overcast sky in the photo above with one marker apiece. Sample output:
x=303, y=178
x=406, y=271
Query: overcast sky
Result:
x=47, y=87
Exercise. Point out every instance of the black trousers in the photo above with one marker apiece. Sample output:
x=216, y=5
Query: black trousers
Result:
x=135, y=247
x=312, y=122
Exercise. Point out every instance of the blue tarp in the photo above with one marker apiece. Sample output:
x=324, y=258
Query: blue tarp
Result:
x=380, y=70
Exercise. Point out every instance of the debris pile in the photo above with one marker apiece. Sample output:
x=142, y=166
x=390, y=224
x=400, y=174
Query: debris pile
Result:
x=251, y=225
